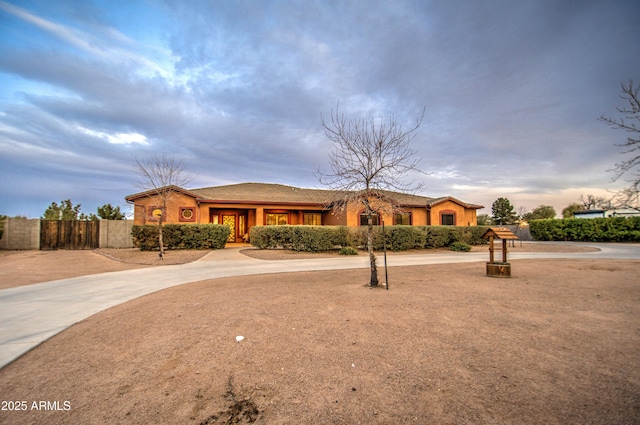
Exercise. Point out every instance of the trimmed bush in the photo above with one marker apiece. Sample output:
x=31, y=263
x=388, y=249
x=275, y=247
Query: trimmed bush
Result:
x=181, y=236
x=612, y=229
x=347, y=250
x=403, y=238
x=437, y=236
x=443, y=236
x=300, y=238
x=460, y=247
x=397, y=238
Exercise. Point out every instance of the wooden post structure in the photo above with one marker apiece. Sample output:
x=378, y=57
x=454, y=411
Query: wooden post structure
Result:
x=501, y=269
x=504, y=250
x=491, y=249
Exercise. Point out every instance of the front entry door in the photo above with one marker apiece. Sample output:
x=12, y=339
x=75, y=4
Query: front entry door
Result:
x=230, y=220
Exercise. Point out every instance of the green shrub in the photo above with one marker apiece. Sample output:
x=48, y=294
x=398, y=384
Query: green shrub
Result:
x=347, y=250
x=442, y=236
x=403, y=238
x=473, y=235
x=300, y=238
x=460, y=247
x=612, y=229
x=181, y=236
x=396, y=238
x=436, y=236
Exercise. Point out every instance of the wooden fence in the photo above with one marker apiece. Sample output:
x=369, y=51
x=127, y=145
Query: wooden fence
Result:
x=69, y=234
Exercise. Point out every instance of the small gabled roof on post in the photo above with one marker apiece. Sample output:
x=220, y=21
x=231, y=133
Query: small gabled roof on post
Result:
x=499, y=233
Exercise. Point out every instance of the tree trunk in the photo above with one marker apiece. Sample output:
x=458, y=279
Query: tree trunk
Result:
x=160, y=242
x=372, y=256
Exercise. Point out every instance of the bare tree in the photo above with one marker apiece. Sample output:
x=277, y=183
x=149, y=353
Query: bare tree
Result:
x=590, y=202
x=370, y=157
x=630, y=117
x=158, y=177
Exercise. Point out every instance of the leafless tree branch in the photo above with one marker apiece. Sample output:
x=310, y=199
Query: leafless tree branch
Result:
x=628, y=123
x=369, y=157
x=158, y=177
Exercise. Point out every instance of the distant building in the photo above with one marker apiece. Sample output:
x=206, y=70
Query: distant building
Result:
x=615, y=212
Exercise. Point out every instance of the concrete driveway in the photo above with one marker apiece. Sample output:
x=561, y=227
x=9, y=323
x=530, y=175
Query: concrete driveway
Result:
x=32, y=314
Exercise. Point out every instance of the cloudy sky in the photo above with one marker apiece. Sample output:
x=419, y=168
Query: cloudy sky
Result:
x=512, y=92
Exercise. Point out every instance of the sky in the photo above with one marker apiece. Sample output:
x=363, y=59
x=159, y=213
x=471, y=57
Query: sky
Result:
x=236, y=90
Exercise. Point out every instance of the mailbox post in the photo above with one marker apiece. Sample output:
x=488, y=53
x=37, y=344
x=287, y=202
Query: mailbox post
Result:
x=503, y=268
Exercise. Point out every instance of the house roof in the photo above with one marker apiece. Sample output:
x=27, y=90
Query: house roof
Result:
x=279, y=193
x=154, y=192
x=263, y=192
x=586, y=212
x=435, y=201
x=500, y=233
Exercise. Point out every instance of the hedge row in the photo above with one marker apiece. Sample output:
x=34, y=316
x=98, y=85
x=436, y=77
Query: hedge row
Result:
x=402, y=238
x=181, y=236
x=397, y=238
x=613, y=229
x=300, y=238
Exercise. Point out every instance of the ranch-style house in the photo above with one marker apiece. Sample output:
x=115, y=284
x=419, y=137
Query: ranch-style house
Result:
x=241, y=206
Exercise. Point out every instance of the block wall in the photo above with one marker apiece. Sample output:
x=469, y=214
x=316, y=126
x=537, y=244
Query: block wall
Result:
x=21, y=233
x=116, y=234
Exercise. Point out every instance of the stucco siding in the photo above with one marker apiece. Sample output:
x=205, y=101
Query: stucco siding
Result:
x=463, y=216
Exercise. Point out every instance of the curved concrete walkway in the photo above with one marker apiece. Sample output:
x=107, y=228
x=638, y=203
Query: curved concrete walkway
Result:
x=32, y=314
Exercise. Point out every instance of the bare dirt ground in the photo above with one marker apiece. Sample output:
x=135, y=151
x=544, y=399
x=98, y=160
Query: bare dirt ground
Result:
x=26, y=267
x=558, y=343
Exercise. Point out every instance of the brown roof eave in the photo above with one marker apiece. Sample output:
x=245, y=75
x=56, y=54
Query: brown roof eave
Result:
x=438, y=201
x=152, y=192
x=245, y=202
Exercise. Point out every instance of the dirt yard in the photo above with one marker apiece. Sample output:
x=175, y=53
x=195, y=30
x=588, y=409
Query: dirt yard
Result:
x=558, y=343
x=26, y=267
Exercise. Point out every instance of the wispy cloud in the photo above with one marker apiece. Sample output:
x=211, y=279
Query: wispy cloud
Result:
x=104, y=48
x=512, y=91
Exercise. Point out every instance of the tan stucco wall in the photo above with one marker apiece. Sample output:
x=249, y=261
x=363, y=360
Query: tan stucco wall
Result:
x=143, y=206
x=256, y=212
x=334, y=219
x=419, y=216
x=464, y=217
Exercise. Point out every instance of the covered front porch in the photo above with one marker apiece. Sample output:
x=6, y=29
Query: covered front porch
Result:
x=240, y=220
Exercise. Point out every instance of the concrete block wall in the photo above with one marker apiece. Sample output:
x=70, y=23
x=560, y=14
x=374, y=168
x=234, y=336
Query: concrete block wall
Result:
x=21, y=233
x=116, y=234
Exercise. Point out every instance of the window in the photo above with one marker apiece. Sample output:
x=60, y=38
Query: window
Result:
x=364, y=221
x=448, y=219
x=277, y=219
x=312, y=219
x=187, y=214
x=403, y=219
x=155, y=213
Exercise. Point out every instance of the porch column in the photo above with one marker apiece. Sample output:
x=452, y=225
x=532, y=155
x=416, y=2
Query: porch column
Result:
x=259, y=216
